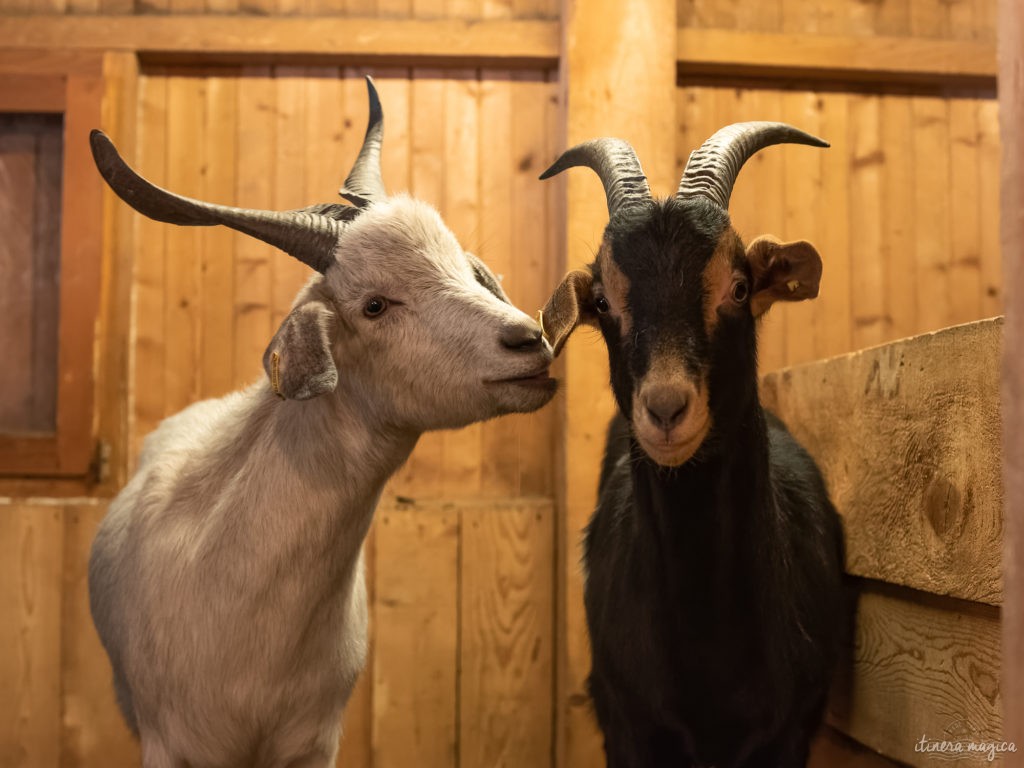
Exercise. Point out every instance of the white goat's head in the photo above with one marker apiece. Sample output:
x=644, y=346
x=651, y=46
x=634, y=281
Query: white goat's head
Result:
x=400, y=315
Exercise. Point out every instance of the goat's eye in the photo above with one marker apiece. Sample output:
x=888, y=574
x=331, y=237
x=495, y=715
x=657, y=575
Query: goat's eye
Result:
x=601, y=304
x=740, y=291
x=375, y=306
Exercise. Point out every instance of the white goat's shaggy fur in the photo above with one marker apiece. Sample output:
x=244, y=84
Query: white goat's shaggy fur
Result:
x=226, y=582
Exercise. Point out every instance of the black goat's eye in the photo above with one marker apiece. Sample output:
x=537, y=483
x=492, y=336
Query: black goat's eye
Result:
x=375, y=306
x=740, y=291
x=601, y=304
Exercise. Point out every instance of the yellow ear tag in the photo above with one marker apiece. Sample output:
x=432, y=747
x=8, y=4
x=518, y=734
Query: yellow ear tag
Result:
x=540, y=322
x=275, y=374
x=793, y=285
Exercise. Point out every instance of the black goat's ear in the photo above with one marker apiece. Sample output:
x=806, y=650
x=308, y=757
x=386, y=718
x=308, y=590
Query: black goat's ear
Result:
x=782, y=272
x=298, y=359
x=568, y=306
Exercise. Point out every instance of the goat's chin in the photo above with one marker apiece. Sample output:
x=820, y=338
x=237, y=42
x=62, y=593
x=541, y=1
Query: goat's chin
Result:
x=522, y=395
x=673, y=449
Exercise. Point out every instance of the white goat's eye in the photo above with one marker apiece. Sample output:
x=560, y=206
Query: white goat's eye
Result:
x=375, y=306
x=601, y=304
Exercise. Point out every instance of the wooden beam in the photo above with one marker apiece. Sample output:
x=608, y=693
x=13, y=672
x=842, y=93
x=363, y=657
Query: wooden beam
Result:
x=618, y=74
x=922, y=667
x=1011, y=110
x=907, y=435
x=503, y=43
x=827, y=57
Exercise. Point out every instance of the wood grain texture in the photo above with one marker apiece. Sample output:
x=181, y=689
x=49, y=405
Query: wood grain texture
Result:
x=1011, y=104
x=922, y=668
x=93, y=733
x=919, y=488
x=31, y=545
x=506, y=646
x=416, y=649
x=607, y=44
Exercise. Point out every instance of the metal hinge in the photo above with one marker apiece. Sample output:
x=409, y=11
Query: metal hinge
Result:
x=101, y=461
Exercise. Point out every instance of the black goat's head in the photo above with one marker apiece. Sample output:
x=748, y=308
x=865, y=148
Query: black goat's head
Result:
x=675, y=292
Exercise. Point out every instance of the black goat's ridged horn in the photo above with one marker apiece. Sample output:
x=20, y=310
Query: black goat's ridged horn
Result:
x=364, y=183
x=309, y=235
x=616, y=163
x=711, y=170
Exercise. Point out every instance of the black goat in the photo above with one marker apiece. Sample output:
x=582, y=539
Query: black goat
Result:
x=714, y=592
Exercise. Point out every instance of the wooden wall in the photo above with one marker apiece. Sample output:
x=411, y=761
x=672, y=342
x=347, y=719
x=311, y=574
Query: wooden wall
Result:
x=479, y=649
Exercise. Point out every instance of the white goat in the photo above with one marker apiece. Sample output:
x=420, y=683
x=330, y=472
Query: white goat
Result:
x=226, y=581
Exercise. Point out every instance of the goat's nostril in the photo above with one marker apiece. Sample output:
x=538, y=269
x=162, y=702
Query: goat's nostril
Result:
x=666, y=406
x=521, y=336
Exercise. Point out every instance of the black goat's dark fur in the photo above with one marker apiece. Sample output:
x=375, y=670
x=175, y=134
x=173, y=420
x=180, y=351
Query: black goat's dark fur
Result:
x=714, y=593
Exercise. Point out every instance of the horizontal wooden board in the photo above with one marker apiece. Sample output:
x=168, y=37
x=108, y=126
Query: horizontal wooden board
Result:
x=924, y=670
x=502, y=42
x=835, y=57
x=907, y=435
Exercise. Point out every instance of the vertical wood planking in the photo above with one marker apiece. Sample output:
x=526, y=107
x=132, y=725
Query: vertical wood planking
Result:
x=533, y=269
x=606, y=43
x=93, y=733
x=256, y=142
x=867, y=272
x=46, y=278
x=500, y=438
x=416, y=640
x=835, y=336
x=931, y=210
x=805, y=209
x=990, y=165
x=899, y=246
x=462, y=448
x=506, y=672
x=290, y=170
x=217, y=264
x=149, y=316
x=186, y=102
x=965, y=214
x=31, y=541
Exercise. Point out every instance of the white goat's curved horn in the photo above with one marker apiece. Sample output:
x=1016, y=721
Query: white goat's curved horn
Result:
x=364, y=183
x=616, y=163
x=309, y=235
x=711, y=170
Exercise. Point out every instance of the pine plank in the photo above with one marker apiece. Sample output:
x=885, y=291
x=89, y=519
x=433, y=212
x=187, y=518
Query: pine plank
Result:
x=919, y=485
x=965, y=219
x=506, y=649
x=293, y=131
x=461, y=449
x=217, y=259
x=871, y=321
x=31, y=542
x=990, y=165
x=922, y=668
x=45, y=291
x=931, y=210
x=835, y=336
x=256, y=143
x=416, y=640
x=186, y=99
x=804, y=212
x=93, y=732
x=148, y=390
x=899, y=244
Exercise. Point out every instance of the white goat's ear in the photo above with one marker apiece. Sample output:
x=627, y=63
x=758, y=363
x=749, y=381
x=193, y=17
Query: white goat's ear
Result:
x=298, y=359
x=782, y=272
x=567, y=308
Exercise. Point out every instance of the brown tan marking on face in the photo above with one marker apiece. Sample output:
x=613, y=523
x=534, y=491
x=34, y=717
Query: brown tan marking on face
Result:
x=718, y=279
x=671, y=416
x=616, y=288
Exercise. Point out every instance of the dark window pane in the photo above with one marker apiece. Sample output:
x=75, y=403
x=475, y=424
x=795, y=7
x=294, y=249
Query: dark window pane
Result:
x=31, y=157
